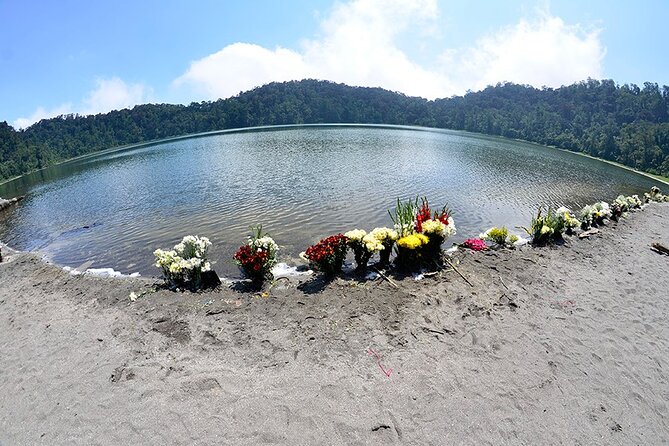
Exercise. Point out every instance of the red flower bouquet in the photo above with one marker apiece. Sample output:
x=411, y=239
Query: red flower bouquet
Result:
x=475, y=244
x=257, y=257
x=328, y=255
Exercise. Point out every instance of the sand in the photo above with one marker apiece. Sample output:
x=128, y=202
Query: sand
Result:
x=557, y=345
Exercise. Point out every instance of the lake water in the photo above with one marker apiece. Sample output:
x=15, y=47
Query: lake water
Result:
x=301, y=183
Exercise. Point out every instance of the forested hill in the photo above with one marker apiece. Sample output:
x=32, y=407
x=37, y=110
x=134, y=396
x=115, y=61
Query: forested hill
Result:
x=625, y=123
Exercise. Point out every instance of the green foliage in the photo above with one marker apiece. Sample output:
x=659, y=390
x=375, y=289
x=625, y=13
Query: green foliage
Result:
x=545, y=228
x=626, y=124
x=497, y=235
x=404, y=217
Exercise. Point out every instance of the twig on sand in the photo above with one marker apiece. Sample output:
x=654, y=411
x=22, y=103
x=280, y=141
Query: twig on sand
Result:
x=390, y=281
x=458, y=271
x=660, y=249
x=502, y=280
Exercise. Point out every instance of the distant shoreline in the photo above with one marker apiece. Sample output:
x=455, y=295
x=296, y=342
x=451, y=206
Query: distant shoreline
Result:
x=659, y=178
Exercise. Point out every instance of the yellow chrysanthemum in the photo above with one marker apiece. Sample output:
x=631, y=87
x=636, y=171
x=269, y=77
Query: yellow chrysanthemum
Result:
x=412, y=241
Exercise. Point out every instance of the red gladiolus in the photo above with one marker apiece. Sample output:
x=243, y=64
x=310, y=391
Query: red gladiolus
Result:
x=424, y=214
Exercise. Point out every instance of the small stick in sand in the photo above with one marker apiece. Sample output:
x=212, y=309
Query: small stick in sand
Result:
x=660, y=249
x=390, y=281
x=458, y=271
x=502, y=280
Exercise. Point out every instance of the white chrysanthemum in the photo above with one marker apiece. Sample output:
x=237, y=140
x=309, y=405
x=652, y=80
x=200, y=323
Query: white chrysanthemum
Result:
x=484, y=235
x=602, y=209
x=356, y=235
x=587, y=213
x=372, y=244
x=193, y=246
x=450, y=230
x=433, y=227
x=384, y=234
x=567, y=217
x=265, y=243
x=165, y=258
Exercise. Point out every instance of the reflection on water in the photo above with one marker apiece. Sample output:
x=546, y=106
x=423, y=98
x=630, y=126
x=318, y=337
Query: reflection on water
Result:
x=300, y=183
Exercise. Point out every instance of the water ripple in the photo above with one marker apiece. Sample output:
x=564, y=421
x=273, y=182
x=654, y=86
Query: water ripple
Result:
x=302, y=184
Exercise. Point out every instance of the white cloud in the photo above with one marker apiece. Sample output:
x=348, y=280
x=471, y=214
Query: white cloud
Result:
x=242, y=66
x=112, y=94
x=109, y=94
x=359, y=44
x=543, y=52
x=357, y=47
x=42, y=113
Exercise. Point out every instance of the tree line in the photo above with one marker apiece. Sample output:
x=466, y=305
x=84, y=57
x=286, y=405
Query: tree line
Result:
x=623, y=123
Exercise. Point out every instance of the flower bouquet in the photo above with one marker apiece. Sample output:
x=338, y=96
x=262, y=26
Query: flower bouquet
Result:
x=587, y=216
x=655, y=194
x=387, y=237
x=437, y=226
x=602, y=210
x=616, y=211
x=410, y=250
x=634, y=202
x=327, y=256
x=499, y=236
x=621, y=201
x=257, y=257
x=567, y=218
x=545, y=228
x=421, y=232
x=184, y=265
x=364, y=247
x=475, y=244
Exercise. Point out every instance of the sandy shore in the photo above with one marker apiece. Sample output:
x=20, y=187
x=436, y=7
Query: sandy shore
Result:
x=559, y=345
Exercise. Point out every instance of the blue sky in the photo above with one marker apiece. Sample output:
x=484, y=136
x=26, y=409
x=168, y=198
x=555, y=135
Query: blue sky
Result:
x=89, y=57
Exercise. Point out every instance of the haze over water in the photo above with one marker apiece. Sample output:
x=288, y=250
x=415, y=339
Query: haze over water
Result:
x=301, y=183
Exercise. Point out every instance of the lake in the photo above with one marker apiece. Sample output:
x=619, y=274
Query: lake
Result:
x=301, y=182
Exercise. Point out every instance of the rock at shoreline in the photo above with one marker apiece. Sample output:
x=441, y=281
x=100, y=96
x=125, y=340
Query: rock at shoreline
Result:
x=6, y=203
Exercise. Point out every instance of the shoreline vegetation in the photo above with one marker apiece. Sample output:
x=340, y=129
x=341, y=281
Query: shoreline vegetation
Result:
x=660, y=178
x=625, y=124
x=563, y=343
